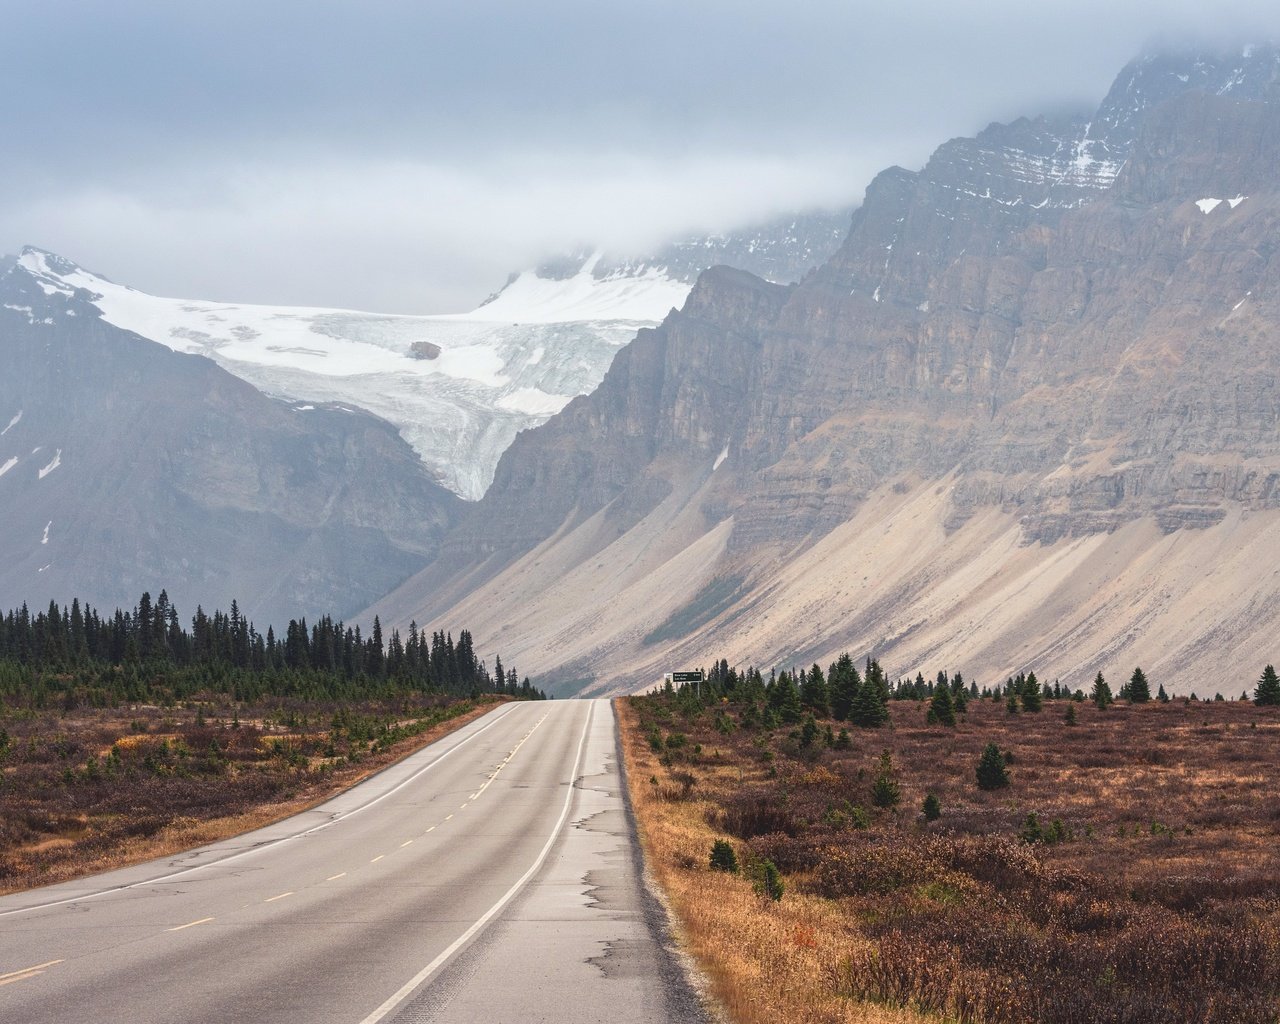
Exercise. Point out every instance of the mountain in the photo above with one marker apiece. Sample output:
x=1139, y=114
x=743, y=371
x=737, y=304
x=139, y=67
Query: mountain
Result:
x=127, y=467
x=458, y=387
x=1025, y=416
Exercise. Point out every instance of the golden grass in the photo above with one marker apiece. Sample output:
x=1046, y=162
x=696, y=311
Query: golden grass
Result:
x=766, y=962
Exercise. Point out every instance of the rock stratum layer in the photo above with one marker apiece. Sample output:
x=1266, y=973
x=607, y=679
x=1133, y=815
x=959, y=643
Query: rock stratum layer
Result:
x=1026, y=416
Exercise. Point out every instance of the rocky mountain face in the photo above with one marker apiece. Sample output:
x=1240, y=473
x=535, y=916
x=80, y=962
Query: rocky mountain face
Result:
x=127, y=467
x=1025, y=416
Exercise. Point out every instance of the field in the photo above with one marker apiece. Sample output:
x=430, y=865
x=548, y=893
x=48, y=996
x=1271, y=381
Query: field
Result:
x=87, y=789
x=1145, y=889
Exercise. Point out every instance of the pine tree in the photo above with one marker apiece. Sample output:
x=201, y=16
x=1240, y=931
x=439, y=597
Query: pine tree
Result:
x=844, y=683
x=1139, y=688
x=784, y=699
x=884, y=792
x=1031, y=693
x=814, y=694
x=932, y=808
x=1267, y=693
x=991, y=771
x=941, y=708
x=1161, y=696
x=1101, y=695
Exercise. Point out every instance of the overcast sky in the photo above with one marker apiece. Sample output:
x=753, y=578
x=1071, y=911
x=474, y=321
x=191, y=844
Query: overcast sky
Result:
x=405, y=156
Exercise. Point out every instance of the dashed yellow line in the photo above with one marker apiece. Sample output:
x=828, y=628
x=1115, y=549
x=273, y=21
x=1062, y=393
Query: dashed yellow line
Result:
x=280, y=897
x=190, y=924
x=377, y=858
x=507, y=760
x=28, y=972
x=407, y=842
x=334, y=878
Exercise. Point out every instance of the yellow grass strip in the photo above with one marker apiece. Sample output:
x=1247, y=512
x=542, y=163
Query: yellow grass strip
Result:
x=766, y=962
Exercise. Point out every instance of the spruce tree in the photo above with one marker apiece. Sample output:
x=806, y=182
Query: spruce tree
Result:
x=884, y=792
x=1031, y=693
x=784, y=699
x=1101, y=695
x=844, y=684
x=814, y=693
x=941, y=708
x=1139, y=688
x=991, y=771
x=1267, y=693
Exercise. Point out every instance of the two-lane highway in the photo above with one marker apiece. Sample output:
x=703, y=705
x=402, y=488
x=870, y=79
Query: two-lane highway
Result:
x=491, y=876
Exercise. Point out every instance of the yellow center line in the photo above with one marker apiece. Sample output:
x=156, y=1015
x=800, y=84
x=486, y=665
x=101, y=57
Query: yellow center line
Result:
x=280, y=897
x=190, y=924
x=447, y=817
x=377, y=858
x=334, y=878
x=407, y=842
x=27, y=971
x=465, y=806
x=507, y=759
x=431, y=829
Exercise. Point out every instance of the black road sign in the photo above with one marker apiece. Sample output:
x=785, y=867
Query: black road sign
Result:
x=686, y=677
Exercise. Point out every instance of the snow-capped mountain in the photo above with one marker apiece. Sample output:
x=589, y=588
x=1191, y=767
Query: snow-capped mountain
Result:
x=457, y=387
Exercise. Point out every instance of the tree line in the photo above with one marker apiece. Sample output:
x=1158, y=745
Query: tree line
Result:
x=146, y=652
x=862, y=698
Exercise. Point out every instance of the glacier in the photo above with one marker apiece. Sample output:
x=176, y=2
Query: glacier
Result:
x=458, y=387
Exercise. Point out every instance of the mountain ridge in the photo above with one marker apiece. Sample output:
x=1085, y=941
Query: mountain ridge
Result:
x=1023, y=327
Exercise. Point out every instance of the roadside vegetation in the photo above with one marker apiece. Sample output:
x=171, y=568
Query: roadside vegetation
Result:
x=839, y=848
x=131, y=737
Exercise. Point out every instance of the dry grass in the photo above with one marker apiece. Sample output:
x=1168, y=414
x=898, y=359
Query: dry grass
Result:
x=767, y=962
x=1162, y=904
x=59, y=824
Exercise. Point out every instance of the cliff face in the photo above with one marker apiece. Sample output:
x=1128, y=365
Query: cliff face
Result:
x=1068, y=325
x=128, y=467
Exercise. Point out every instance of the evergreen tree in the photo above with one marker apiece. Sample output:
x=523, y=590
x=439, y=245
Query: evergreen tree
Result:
x=1101, y=695
x=1161, y=696
x=941, y=708
x=1139, y=690
x=1031, y=693
x=814, y=694
x=869, y=711
x=844, y=683
x=992, y=771
x=884, y=791
x=784, y=699
x=932, y=808
x=1267, y=693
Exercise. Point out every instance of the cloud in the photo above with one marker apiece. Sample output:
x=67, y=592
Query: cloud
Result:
x=403, y=155
x=407, y=236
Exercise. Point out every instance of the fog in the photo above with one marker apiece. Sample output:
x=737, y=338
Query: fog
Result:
x=407, y=156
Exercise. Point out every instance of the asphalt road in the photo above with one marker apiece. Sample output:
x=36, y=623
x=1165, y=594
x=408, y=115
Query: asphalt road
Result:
x=493, y=876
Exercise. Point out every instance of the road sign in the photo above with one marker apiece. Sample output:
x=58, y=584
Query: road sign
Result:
x=686, y=677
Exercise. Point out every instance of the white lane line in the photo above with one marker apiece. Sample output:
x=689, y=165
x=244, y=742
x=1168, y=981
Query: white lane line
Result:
x=267, y=845
x=190, y=924
x=280, y=897
x=334, y=878
x=407, y=842
x=507, y=760
x=447, y=817
x=409, y=986
x=377, y=858
x=431, y=829
x=28, y=971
